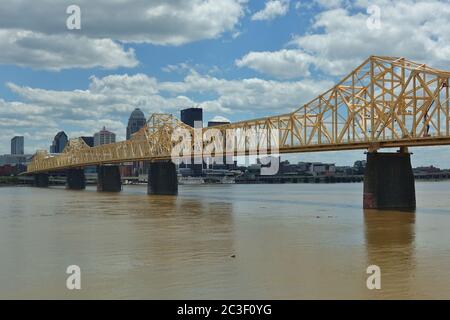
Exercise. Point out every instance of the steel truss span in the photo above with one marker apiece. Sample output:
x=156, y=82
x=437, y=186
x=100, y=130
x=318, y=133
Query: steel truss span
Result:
x=385, y=102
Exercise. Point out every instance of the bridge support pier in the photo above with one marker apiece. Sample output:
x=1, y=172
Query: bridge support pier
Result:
x=389, y=181
x=75, y=179
x=162, y=179
x=41, y=180
x=108, y=179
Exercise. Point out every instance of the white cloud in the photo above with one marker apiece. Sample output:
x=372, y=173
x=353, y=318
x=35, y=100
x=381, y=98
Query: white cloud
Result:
x=121, y=93
x=411, y=29
x=272, y=10
x=163, y=22
x=56, y=52
x=34, y=34
x=248, y=95
x=331, y=3
x=339, y=39
x=282, y=64
x=219, y=119
x=108, y=101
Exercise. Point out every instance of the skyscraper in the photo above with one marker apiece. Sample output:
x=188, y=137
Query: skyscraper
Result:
x=136, y=122
x=89, y=141
x=191, y=115
x=17, y=144
x=104, y=137
x=59, y=142
x=219, y=121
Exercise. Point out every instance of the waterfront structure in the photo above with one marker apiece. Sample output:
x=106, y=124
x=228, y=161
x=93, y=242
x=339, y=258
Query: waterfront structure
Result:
x=17, y=145
x=301, y=168
x=386, y=102
x=104, y=137
x=135, y=122
x=360, y=166
x=59, y=142
x=12, y=169
x=319, y=168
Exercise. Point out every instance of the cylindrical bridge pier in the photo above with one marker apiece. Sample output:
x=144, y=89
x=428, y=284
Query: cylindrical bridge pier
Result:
x=162, y=179
x=75, y=179
x=389, y=182
x=108, y=179
x=41, y=180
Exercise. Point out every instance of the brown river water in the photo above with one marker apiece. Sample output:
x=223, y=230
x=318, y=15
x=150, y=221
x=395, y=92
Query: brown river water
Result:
x=292, y=241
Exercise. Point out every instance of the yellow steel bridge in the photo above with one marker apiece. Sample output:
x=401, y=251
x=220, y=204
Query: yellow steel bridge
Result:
x=385, y=102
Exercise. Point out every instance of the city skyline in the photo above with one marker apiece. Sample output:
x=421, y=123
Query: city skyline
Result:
x=209, y=153
x=257, y=60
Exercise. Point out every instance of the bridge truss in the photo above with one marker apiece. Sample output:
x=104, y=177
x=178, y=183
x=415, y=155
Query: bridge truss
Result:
x=385, y=102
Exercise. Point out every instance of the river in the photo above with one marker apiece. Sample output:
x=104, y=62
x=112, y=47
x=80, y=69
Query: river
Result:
x=290, y=241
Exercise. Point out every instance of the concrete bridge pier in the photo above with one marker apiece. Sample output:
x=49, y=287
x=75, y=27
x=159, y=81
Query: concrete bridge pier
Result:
x=162, y=179
x=41, y=180
x=108, y=179
x=389, y=181
x=75, y=179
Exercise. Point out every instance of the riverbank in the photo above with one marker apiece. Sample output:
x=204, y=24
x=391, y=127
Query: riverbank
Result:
x=17, y=181
x=11, y=181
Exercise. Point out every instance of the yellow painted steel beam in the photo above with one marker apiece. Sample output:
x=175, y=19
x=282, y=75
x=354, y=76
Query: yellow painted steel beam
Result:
x=385, y=102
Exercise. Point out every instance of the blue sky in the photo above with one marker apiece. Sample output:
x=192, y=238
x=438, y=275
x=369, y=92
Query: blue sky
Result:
x=237, y=59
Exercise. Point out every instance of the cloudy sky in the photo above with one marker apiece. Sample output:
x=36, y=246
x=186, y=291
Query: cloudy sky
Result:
x=237, y=59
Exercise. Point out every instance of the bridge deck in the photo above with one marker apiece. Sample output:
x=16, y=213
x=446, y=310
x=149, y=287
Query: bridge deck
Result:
x=385, y=102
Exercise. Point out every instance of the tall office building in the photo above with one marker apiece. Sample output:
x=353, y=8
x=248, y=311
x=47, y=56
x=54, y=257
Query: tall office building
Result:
x=191, y=115
x=104, y=137
x=59, y=142
x=17, y=144
x=89, y=171
x=219, y=121
x=89, y=141
x=136, y=122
